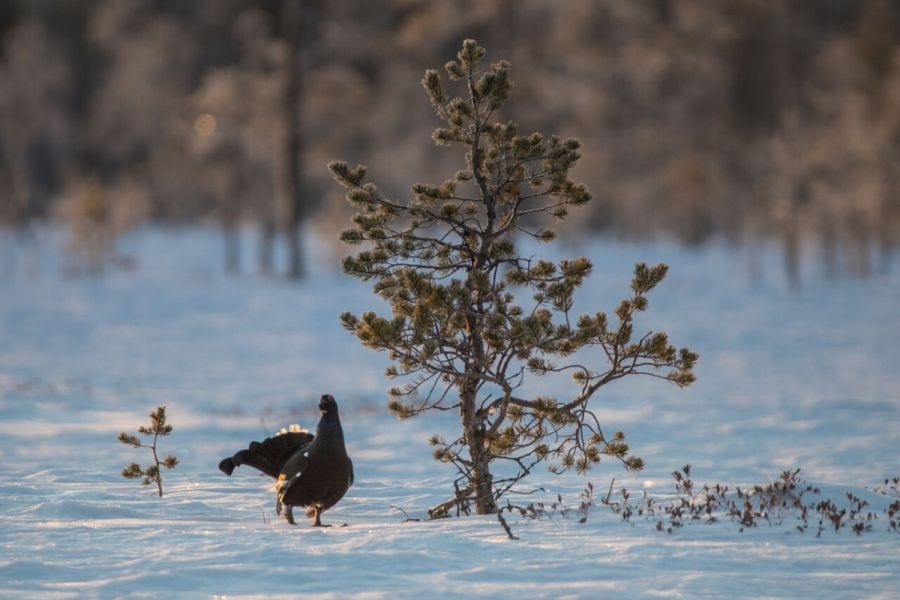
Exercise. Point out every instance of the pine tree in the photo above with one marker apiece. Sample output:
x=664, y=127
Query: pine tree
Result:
x=446, y=262
x=153, y=473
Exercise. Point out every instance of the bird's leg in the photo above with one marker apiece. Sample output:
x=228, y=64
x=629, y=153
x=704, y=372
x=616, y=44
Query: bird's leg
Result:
x=289, y=514
x=279, y=494
x=318, y=513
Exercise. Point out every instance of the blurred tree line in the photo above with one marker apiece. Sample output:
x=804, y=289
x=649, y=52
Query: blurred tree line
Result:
x=743, y=120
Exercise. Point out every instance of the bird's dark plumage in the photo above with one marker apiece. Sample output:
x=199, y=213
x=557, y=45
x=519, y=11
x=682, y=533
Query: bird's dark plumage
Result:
x=269, y=455
x=312, y=471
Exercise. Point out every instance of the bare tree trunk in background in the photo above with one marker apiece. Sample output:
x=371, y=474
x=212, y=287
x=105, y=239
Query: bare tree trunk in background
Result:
x=267, y=234
x=792, y=254
x=829, y=240
x=231, y=191
x=232, y=239
x=790, y=125
x=887, y=217
x=508, y=34
x=889, y=209
x=861, y=247
x=293, y=214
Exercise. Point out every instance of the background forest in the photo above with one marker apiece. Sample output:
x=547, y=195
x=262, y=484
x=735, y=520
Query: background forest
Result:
x=742, y=120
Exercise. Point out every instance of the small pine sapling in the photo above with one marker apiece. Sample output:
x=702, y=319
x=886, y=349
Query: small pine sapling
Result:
x=153, y=472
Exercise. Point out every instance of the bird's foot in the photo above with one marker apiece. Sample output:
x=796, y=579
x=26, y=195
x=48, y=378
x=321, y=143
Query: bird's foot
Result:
x=289, y=514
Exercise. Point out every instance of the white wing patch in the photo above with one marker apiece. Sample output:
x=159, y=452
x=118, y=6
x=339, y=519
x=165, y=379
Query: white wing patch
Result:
x=292, y=428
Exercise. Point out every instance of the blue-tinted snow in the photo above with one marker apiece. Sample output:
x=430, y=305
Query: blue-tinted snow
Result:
x=788, y=378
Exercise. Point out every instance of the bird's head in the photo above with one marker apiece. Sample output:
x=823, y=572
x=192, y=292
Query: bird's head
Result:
x=327, y=404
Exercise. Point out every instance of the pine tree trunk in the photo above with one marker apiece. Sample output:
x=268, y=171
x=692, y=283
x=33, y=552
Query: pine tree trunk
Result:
x=480, y=476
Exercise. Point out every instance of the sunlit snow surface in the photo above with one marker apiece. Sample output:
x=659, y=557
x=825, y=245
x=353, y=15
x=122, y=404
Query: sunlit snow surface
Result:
x=788, y=378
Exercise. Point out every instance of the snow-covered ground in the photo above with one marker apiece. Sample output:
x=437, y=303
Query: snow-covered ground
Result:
x=805, y=378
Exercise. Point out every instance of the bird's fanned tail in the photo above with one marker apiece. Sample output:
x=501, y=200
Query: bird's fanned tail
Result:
x=268, y=456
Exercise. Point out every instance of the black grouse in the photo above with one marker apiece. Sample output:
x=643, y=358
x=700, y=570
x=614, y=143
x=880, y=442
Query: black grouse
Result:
x=312, y=471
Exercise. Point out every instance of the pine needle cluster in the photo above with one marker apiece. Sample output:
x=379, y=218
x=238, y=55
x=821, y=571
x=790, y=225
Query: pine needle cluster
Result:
x=459, y=337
